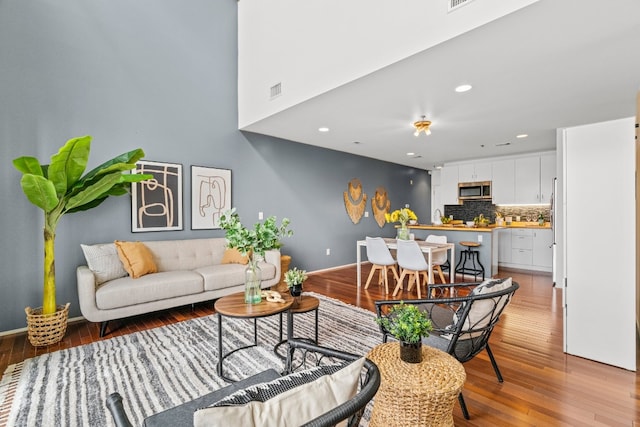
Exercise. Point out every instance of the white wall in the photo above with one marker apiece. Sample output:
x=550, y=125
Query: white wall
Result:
x=599, y=235
x=313, y=46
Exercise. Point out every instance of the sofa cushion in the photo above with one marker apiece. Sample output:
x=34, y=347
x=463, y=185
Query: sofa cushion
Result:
x=104, y=262
x=233, y=256
x=228, y=275
x=187, y=254
x=152, y=287
x=221, y=276
x=292, y=400
x=136, y=258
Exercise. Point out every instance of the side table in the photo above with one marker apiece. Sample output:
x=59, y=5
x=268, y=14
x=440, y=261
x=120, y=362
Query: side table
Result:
x=415, y=394
x=306, y=304
x=234, y=306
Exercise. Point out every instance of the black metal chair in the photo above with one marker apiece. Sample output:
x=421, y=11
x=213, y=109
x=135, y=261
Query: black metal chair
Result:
x=301, y=355
x=463, y=316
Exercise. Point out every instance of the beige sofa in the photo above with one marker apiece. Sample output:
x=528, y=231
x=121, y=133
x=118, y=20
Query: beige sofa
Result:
x=188, y=271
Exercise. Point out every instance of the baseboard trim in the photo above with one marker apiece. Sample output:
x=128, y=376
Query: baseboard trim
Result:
x=23, y=330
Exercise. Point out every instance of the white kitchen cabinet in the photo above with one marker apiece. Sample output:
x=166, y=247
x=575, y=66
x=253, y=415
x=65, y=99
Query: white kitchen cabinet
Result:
x=533, y=179
x=542, y=251
x=547, y=173
x=525, y=248
x=474, y=172
x=502, y=182
x=522, y=246
x=527, y=180
x=449, y=185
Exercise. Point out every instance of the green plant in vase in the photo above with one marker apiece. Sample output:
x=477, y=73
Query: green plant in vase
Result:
x=253, y=243
x=60, y=188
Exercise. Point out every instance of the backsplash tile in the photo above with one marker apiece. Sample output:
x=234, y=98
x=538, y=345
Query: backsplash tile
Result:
x=472, y=208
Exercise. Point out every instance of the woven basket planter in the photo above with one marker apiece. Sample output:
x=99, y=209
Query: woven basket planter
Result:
x=46, y=329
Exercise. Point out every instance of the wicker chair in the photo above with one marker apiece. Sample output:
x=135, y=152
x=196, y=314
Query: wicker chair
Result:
x=463, y=316
x=301, y=355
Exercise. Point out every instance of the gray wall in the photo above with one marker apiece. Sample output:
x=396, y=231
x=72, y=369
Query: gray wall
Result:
x=160, y=75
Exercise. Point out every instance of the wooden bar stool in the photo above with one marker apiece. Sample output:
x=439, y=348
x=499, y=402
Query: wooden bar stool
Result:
x=470, y=255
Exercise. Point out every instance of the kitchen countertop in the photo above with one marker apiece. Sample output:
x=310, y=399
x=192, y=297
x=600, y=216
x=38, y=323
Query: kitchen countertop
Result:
x=488, y=228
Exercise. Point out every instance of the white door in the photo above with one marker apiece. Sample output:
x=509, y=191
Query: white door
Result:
x=599, y=235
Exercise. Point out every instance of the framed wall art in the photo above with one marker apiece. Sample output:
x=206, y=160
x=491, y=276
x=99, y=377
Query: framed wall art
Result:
x=210, y=196
x=156, y=204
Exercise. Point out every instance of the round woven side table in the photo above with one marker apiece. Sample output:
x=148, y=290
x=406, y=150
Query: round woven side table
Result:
x=415, y=394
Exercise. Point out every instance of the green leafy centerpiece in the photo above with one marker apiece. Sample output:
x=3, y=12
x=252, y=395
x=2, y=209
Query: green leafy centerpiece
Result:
x=253, y=243
x=60, y=188
x=403, y=216
x=408, y=324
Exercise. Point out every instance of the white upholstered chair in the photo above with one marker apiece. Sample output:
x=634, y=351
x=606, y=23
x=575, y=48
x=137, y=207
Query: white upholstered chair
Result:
x=381, y=261
x=411, y=261
x=439, y=258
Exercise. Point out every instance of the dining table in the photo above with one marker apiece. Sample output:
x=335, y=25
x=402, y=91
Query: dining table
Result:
x=428, y=248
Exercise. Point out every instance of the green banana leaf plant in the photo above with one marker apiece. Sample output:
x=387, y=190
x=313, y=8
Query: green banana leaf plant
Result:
x=59, y=188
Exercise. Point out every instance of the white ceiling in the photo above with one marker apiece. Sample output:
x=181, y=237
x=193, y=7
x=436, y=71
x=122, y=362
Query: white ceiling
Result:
x=554, y=64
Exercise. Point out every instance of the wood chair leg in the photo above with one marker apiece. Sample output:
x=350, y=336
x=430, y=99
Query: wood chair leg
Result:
x=400, y=281
x=418, y=283
x=437, y=267
x=386, y=280
x=373, y=270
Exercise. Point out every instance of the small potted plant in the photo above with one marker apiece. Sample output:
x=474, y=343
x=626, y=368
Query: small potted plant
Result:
x=408, y=324
x=294, y=279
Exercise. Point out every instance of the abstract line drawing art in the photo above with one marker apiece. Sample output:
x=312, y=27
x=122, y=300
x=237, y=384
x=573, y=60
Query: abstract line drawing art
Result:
x=156, y=204
x=210, y=196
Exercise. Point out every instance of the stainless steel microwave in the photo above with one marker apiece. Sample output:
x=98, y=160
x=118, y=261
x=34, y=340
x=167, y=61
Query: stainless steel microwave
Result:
x=474, y=190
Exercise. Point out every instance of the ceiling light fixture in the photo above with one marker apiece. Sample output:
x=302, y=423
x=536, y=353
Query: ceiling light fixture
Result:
x=323, y=129
x=463, y=88
x=422, y=125
x=522, y=135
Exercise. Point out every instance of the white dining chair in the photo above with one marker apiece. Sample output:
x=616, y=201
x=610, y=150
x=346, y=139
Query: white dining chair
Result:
x=411, y=260
x=439, y=258
x=381, y=260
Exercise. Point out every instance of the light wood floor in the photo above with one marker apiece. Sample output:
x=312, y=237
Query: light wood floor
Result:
x=542, y=385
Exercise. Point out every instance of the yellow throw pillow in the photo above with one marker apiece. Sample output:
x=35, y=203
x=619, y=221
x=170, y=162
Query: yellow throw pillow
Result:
x=233, y=256
x=136, y=258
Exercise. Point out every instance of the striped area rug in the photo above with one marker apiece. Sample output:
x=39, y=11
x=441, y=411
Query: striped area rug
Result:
x=163, y=367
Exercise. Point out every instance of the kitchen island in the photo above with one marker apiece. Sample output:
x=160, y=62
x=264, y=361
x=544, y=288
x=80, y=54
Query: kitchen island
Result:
x=521, y=245
x=486, y=236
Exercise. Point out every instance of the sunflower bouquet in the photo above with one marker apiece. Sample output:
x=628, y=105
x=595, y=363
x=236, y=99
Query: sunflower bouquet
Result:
x=403, y=216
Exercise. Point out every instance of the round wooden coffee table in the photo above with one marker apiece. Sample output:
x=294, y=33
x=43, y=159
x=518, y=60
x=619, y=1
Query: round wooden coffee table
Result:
x=234, y=306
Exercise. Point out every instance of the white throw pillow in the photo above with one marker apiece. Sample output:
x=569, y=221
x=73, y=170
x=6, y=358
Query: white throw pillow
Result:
x=104, y=262
x=289, y=401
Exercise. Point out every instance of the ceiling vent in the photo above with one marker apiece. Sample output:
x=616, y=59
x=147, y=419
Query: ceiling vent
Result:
x=457, y=4
x=276, y=90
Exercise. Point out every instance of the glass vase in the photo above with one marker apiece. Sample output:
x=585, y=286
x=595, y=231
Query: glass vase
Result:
x=252, y=282
x=403, y=232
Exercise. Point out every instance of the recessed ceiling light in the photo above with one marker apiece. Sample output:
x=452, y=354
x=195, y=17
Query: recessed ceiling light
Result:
x=323, y=129
x=411, y=154
x=463, y=88
x=522, y=135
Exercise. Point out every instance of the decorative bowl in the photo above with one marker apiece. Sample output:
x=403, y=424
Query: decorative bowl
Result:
x=470, y=223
